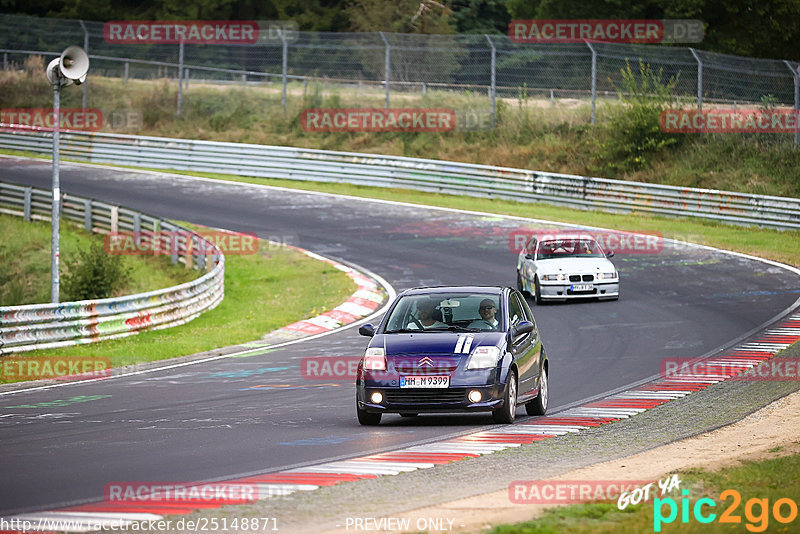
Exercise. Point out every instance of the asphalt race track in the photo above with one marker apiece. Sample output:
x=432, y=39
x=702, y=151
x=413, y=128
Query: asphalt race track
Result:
x=257, y=414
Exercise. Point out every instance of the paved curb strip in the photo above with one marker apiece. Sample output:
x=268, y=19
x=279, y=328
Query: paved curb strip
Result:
x=741, y=357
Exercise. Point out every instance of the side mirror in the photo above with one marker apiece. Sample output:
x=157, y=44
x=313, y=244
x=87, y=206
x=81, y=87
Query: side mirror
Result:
x=524, y=327
x=366, y=330
x=610, y=254
x=528, y=256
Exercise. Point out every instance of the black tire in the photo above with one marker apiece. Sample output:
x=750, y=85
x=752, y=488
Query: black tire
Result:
x=537, y=292
x=519, y=284
x=508, y=412
x=366, y=418
x=538, y=406
x=408, y=414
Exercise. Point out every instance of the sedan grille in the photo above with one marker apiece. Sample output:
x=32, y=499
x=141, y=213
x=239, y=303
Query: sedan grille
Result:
x=425, y=396
x=578, y=278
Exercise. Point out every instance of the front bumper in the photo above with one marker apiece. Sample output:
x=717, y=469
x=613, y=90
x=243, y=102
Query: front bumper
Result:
x=563, y=291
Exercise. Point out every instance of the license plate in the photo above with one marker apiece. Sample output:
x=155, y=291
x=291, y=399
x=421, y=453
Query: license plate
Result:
x=425, y=381
x=582, y=287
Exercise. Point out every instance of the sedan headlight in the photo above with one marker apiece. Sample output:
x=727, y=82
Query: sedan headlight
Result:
x=483, y=358
x=607, y=276
x=559, y=276
x=375, y=359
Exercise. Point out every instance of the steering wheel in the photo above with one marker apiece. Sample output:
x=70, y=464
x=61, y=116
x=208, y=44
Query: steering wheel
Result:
x=416, y=322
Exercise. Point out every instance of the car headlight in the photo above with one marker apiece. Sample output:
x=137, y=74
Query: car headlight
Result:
x=483, y=358
x=375, y=359
x=559, y=276
x=607, y=276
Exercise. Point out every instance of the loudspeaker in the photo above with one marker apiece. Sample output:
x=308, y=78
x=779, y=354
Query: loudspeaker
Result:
x=74, y=64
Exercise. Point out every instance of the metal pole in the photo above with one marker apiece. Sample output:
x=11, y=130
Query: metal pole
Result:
x=699, y=79
x=56, y=205
x=493, y=91
x=5, y=60
x=85, y=49
x=594, y=80
x=180, y=77
x=285, y=68
x=387, y=67
x=127, y=68
x=796, y=77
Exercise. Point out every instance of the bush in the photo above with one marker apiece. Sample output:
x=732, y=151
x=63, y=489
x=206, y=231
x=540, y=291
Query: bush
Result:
x=94, y=274
x=634, y=134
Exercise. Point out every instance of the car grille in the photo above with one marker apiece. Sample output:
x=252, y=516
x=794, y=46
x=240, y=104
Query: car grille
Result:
x=425, y=396
x=578, y=278
x=409, y=365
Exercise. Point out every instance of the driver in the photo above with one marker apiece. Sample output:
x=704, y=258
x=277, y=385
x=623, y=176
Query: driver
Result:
x=486, y=309
x=425, y=309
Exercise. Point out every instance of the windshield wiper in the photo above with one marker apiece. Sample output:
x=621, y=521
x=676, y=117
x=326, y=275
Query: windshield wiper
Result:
x=456, y=328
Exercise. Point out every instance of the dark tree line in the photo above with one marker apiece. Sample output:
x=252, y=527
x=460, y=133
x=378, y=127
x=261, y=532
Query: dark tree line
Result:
x=758, y=28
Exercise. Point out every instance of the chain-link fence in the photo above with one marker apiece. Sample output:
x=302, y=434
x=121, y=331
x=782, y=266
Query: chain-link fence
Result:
x=485, y=64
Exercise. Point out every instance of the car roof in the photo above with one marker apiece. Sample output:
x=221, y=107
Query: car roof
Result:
x=494, y=290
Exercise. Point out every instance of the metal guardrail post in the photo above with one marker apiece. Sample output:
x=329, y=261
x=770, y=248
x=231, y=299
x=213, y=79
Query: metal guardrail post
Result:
x=87, y=214
x=699, y=78
x=26, y=208
x=493, y=89
x=594, y=80
x=5, y=60
x=796, y=78
x=180, y=76
x=387, y=67
x=284, y=68
x=85, y=49
x=127, y=71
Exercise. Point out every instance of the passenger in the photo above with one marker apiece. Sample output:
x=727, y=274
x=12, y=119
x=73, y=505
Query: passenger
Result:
x=425, y=309
x=488, y=321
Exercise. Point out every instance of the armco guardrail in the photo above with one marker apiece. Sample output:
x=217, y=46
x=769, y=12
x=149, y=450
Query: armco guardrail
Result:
x=412, y=173
x=38, y=326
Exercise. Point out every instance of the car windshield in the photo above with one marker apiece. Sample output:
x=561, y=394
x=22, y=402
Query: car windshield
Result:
x=438, y=312
x=568, y=248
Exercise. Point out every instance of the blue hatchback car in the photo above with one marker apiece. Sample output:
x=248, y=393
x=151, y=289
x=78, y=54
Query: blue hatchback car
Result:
x=453, y=349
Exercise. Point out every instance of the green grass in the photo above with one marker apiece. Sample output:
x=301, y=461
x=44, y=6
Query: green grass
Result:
x=25, y=260
x=263, y=292
x=530, y=133
x=771, y=479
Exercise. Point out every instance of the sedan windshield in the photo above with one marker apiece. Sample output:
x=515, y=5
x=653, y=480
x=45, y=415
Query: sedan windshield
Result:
x=569, y=248
x=441, y=312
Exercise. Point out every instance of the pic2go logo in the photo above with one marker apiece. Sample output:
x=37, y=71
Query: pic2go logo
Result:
x=756, y=511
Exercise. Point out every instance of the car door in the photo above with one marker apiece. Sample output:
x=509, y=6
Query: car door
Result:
x=536, y=350
x=524, y=347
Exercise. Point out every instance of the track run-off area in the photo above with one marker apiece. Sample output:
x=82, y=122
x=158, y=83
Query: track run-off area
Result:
x=244, y=416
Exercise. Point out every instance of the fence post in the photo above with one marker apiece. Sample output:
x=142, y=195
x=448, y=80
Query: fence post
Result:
x=186, y=73
x=5, y=60
x=85, y=49
x=796, y=77
x=594, y=80
x=26, y=207
x=285, y=68
x=387, y=67
x=180, y=76
x=699, y=79
x=493, y=90
x=87, y=214
x=127, y=71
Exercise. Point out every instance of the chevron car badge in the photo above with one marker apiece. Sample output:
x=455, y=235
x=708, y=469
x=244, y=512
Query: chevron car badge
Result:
x=425, y=361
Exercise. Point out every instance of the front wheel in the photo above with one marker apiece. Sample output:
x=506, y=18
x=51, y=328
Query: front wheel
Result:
x=366, y=418
x=520, y=287
x=538, y=406
x=537, y=291
x=508, y=412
